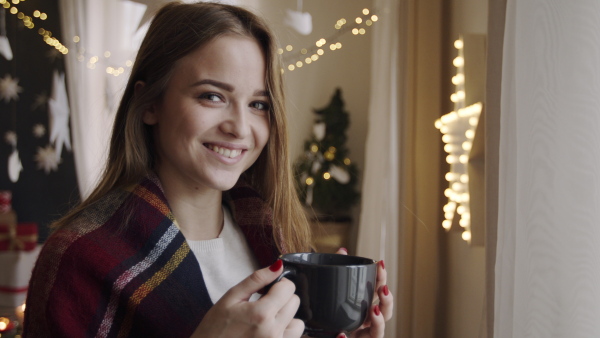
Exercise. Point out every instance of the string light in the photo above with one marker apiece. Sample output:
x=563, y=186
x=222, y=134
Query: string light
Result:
x=341, y=26
x=458, y=129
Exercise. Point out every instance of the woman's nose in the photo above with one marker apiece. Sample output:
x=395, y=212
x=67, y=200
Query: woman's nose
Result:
x=236, y=122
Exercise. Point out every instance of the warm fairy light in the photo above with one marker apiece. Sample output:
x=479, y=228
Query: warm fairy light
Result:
x=314, y=148
x=107, y=54
x=299, y=64
x=309, y=181
x=326, y=175
x=347, y=161
x=317, y=51
x=458, y=129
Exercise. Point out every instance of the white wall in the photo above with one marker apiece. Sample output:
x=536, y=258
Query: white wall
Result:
x=312, y=86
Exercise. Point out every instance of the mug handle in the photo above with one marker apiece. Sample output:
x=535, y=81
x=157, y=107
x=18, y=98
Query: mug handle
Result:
x=287, y=271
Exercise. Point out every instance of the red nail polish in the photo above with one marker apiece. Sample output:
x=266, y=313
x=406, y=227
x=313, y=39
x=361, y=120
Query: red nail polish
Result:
x=276, y=266
x=382, y=264
x=386, y=291
x=376, y=310
x=341, y=335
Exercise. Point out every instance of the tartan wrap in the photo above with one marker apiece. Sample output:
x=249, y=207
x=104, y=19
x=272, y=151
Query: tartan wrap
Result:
x=123, y=269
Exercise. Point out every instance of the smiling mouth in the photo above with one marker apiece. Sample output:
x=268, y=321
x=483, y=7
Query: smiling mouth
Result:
x=231, y=153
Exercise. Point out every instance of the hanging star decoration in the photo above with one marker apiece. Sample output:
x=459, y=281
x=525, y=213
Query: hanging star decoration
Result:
x=39, y=130
x=151, y=7
x=9, y=88
x=46, y=159
x=58, y=110
x=41, y=100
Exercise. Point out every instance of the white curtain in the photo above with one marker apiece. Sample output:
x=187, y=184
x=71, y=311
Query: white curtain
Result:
x=547, y=265
x=102, y=26
x=378, y=231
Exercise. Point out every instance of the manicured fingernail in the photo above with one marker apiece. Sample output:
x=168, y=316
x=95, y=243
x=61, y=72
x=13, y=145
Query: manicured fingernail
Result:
x=376, y=310
x=386, y=291
x=341, y=335
x=382, y=264
x=344, y=249
x=276, y=266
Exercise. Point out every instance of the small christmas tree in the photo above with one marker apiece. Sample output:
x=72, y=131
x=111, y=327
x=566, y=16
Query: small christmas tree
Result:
x=325, y=177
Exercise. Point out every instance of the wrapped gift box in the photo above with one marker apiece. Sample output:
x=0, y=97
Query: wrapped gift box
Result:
x=15, y=272
x=19, y=237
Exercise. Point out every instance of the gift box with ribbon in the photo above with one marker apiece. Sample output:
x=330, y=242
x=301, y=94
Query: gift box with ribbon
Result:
x=18, y=237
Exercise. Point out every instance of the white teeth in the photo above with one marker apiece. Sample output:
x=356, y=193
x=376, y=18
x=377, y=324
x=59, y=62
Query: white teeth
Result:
x=231, y=153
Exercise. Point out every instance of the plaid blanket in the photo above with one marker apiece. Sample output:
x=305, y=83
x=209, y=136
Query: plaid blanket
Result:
x=123, y=269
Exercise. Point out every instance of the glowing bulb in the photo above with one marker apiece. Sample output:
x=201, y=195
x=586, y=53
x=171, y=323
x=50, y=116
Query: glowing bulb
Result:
x=461, y=209
x=466, y=235
x=438, y=124
x=362, y=31
x=326, y=175
x=347, y=161
x=314, y=57
x=289, y=48
x=458, y=44
x=358, y=20
x=307, y=61
x=75, y=39
x=320, y=51
x=463, y=158
x=36, y=13
x=291, y=67
x=355, y=31
x=467, y=145
x=464, y=178
x=450, y=176
x=332, y=47
x=458, y=61
x=451, y=159
x=473, y=121
x=368, y=22
x=303, y=51
x=470, y=134
x=447, y=138
x=43, y=16
x=338, y=45
x=366, y=11
x=374, y=18
x=446, y=224
x=445, y=129
x=454, y=98
x=299, y=64
x=463, y=222
x=279, y=51
x=309, y=181
x=107, y=54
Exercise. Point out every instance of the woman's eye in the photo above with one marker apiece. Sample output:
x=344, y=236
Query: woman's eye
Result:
x=260, y=106
x=211, y=97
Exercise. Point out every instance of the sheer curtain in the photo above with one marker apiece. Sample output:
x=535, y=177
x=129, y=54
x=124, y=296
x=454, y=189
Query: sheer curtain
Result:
x=378, y=231
x=102, y=26
x=547, y=280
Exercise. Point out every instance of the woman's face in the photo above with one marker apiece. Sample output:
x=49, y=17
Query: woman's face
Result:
x=213, y=121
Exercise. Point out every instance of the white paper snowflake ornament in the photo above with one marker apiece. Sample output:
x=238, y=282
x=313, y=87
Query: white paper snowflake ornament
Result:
x=39, y=130
x=46, y=159
x=58, y=110
x=14, y=166
x=9, y=88
x=5, y=49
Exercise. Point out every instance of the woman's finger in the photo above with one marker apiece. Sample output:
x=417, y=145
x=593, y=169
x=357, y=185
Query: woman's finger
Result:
x=386, y=302
x=342, y=251
x=294, y=329
x=377, y=328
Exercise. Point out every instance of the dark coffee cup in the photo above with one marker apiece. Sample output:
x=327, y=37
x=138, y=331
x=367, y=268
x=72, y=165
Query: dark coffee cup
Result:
x=335, y=291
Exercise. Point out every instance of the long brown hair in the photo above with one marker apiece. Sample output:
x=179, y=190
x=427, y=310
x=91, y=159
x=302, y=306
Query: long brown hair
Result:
x=177, y=30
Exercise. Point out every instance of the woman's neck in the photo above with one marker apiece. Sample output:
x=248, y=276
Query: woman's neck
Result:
x=198, y=213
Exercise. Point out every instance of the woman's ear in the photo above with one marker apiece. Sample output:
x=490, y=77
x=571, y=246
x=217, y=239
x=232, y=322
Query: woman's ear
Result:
x=149, y=116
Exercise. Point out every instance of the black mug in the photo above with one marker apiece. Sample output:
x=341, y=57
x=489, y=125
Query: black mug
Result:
x=335, y=291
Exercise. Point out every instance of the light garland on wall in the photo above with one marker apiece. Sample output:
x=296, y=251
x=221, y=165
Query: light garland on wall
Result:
x=295, y=58
x=28, y=22
x=458, y=129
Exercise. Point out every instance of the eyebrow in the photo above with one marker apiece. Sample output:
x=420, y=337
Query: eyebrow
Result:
x=226, y=86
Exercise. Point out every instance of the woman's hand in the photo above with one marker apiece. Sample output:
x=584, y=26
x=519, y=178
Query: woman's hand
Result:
x=374, y=325
x=270, y=316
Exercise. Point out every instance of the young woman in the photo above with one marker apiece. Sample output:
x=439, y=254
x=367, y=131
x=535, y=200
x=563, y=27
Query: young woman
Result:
x=197, y=200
